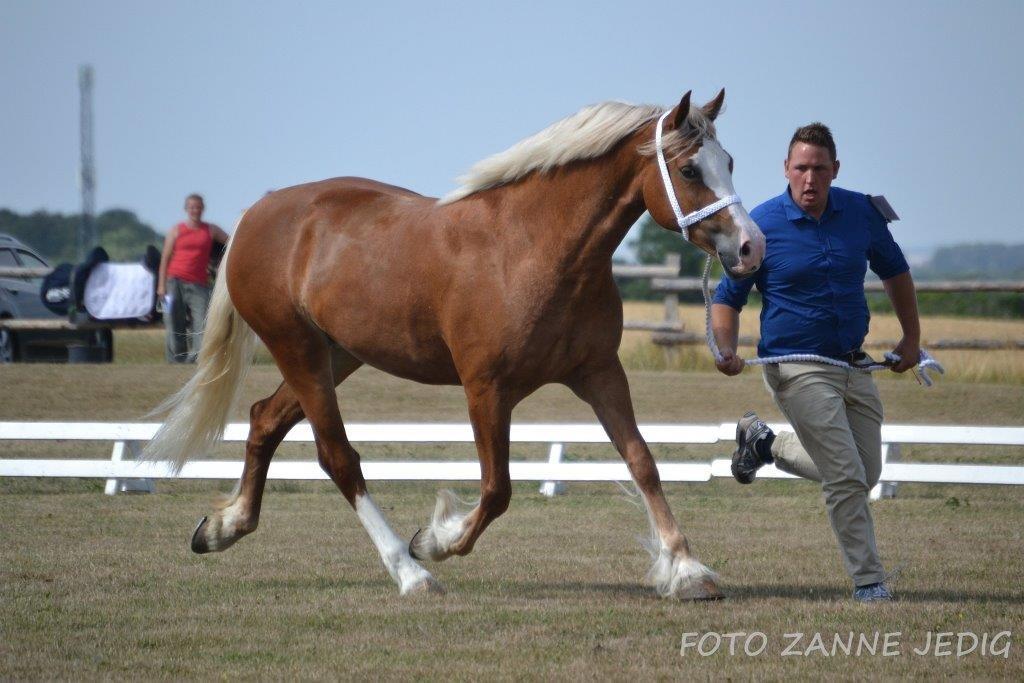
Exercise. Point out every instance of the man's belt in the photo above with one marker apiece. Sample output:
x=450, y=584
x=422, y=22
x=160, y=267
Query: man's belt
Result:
x=860, y=359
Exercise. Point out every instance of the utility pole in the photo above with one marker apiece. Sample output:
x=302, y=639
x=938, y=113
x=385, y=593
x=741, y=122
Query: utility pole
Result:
x=87, y=173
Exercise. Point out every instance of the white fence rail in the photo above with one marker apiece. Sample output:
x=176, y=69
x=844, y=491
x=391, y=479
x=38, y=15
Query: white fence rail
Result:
x=125, y=474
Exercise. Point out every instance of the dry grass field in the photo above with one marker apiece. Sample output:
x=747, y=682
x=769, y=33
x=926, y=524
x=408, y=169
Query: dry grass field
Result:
x=1005, y=366
x=105, y=587
x=638, y=353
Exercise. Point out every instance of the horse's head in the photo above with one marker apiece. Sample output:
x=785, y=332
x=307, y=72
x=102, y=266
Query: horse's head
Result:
x=687, y=187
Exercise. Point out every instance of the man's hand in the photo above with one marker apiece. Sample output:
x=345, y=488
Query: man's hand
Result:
x=909, y=351
x=731, y=364
x=725, y=324
x=901, y=292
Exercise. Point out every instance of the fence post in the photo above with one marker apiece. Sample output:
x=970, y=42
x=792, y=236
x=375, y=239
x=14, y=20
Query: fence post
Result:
x=887, y=489
x=672, y=310
x=553, y=488
x=115, y=486
x=672, y=298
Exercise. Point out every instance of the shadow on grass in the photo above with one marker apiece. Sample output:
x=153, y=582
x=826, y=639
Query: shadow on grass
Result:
x=641, y=591
x=538, y=590
x=759, y=592
x=547, y=589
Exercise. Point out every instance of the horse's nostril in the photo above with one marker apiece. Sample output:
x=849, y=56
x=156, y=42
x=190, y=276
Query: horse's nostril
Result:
x=745, y=249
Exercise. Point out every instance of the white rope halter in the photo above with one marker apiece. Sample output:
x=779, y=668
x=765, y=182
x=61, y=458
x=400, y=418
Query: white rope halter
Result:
x=684, y=220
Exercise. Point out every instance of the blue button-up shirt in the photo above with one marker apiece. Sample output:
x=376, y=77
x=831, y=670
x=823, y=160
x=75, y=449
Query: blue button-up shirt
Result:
x=812, y=277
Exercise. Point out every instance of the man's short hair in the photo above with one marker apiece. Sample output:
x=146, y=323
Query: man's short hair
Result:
x=195, y=196
x=814, y=134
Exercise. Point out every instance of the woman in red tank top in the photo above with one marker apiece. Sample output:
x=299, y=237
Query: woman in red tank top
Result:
x=183, y=284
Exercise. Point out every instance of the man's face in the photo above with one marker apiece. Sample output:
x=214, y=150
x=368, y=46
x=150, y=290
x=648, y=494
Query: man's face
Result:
x=810, y=172
x=194, y=209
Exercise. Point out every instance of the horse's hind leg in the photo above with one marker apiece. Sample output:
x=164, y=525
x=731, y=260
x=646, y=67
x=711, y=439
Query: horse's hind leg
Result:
x=270, y=420
x=302, y=354
x=676, y=572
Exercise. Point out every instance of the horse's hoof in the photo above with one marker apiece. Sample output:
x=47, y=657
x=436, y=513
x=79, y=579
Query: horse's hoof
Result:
x=426, y=586
x=199, y=544
x=706, y=590
x=412, y=546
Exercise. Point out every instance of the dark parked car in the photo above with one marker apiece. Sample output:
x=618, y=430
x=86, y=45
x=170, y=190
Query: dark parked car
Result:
x=20, y=298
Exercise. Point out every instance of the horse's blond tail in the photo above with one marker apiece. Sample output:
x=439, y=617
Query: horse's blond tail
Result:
x=199, y=411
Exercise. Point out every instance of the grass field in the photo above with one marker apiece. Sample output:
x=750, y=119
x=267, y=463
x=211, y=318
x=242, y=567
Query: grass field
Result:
x=1005, y=366
x=105, y=587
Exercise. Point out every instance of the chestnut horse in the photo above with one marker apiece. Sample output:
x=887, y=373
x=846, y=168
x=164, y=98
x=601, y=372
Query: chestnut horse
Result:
x=502, y=286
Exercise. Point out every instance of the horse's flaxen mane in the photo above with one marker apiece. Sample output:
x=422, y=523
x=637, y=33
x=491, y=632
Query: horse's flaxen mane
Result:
x=589, y=133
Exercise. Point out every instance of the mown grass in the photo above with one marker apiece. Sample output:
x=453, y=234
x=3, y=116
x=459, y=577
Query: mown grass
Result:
x=99, y=587
x=105, y=587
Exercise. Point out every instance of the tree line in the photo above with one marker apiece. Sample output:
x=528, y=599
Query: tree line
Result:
x=54, y=235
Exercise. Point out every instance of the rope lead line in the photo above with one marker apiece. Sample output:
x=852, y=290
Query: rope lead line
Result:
x=925, y=363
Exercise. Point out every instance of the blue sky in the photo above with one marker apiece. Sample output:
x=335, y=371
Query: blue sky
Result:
x=231, y=99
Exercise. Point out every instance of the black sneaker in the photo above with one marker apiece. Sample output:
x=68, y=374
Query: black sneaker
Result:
x=746, y=460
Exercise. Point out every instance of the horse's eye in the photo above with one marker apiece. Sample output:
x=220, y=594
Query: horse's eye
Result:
x=690, y=172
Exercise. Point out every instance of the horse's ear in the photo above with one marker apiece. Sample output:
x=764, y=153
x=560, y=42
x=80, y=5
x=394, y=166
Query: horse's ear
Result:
x=712, y=108
x=682, y=111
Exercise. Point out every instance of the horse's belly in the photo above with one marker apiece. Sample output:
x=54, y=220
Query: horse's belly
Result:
x=423, y=373
x=400, y=353
x=428, y=371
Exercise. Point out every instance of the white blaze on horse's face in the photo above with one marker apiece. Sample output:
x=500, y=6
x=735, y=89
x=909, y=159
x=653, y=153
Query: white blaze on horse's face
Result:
x=741, y=252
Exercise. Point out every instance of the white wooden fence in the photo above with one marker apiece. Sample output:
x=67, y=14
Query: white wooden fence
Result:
x=125, y=474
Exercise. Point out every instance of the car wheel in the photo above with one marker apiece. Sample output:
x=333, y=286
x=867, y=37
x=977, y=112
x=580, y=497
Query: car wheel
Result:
x=8, y=346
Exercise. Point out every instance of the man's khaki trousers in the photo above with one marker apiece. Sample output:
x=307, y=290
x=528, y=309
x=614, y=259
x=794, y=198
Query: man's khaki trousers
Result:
x=837, y=416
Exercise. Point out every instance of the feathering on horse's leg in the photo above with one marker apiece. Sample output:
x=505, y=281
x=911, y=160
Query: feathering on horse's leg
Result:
x=447, y=525
x=452, y=530
x=675, y=572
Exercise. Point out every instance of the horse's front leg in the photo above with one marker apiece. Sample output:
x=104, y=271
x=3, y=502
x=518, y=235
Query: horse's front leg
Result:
x=454, y=532
x=676, y=572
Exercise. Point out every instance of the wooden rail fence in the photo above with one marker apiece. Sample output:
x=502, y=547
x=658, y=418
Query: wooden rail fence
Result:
x=664, y=278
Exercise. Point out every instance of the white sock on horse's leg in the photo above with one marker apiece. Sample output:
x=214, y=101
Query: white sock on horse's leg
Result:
x=410, y=576
x=674, y=574
x=677, y=576
x=447, y=526
x=220, y=530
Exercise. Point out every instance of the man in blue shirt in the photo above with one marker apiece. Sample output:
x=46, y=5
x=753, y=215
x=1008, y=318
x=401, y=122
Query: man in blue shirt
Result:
x=820, y=241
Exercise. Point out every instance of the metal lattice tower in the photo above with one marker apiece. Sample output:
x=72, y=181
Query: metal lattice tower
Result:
x=87, y=174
